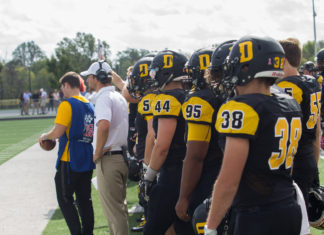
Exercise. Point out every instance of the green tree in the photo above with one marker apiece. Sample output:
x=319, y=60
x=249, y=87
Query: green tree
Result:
x=127, y=58
x=75, y=55
x=26, y=54
x=308, y=50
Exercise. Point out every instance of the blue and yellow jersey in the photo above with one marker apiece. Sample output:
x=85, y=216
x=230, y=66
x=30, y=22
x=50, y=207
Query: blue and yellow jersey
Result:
x=273, y=125
x=167, y=104
x=64, y=117
x=199, y=111
x=144, y=113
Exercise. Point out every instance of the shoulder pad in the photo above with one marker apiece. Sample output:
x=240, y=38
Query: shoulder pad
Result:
x=196, y=109
x=237, y=118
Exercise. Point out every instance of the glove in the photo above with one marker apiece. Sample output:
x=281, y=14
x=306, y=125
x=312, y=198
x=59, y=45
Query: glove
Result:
x=144, y=190
x=208, y=231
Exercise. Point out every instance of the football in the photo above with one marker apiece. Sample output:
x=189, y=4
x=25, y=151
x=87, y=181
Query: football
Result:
x=48, y=144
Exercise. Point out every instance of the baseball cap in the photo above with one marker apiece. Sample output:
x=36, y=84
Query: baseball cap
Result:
x=94, y=67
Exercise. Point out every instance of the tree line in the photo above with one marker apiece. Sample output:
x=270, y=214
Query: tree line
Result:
x=30, y=69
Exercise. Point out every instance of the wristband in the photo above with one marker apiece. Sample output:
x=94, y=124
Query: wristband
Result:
x=208, y=231
x=150, y=174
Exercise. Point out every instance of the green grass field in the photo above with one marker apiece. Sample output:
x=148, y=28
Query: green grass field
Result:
x=21, y=134
x=18, y=135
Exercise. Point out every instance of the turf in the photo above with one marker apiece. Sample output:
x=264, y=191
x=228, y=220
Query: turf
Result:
x=18, y=135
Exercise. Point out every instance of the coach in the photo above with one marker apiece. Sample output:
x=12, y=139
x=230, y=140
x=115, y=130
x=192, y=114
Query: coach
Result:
x=110, y=134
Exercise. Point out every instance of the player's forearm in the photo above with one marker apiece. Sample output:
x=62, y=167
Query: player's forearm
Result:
x=191, y=173
x=158, y=157
x=116, y=79
x=317, y=141
x=222, y=198
x=149, y=144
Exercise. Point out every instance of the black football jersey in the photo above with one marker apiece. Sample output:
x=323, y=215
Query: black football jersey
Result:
x=167, y=104
x=144, y=112
x=307, y=92
x=273, y=125
x=200, y=107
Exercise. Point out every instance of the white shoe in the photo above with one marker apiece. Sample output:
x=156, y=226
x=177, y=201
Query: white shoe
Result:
x=136, y=209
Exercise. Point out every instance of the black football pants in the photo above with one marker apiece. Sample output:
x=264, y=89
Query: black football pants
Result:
x=279, y=219
x=161, y=206
x=67, y=183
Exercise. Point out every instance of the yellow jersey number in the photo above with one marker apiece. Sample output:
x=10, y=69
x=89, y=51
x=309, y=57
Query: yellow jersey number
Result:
x=315, y=107
x=285, y=132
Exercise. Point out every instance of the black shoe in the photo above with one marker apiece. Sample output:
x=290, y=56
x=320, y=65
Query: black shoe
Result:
x=140, y=227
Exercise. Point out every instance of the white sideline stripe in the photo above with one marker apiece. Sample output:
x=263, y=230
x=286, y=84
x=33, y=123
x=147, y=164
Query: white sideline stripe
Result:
x=27, y=191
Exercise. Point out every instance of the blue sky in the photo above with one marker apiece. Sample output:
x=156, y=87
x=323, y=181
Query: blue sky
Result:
x=154, y=24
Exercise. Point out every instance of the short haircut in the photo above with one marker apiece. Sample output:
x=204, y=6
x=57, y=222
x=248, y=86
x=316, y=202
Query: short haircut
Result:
x=293, y=51
x=72, y=78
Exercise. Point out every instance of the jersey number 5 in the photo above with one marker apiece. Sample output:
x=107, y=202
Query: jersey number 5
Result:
x=315, y=107
x=285, y=132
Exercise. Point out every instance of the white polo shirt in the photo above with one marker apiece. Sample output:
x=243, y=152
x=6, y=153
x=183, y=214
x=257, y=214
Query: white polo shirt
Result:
x=112, y=106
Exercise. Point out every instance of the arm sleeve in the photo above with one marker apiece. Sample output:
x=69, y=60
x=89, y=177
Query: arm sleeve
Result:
x=64, y=114
x=103, y=110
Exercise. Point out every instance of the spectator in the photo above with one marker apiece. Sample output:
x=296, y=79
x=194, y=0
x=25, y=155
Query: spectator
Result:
x=56, y=98
x=110, y=135
x=26, y=103
x=35, y=101
x=43, y=96
x=74, y=127
x=51, y=102
x=21, y=102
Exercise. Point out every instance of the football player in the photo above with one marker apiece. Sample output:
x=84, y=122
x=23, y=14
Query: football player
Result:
x=140, y=84
x=167, y=69
x=306, y=90
x=203, y=157
x=262, y=134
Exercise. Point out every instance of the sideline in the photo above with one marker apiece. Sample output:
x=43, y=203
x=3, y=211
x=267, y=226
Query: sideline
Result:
x=27, y=191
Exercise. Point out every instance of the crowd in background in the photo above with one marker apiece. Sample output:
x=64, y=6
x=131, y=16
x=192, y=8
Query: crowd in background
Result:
x=39, y=102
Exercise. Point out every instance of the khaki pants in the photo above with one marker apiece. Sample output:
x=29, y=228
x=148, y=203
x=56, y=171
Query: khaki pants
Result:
x=112, y=173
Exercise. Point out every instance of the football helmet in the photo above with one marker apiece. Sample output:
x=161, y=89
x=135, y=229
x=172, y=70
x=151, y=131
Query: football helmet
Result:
x=196, y=66
x=199, y=219
x=167, y=66
x=309, y=65
x=316, y=207
x=320, y=60
x=218, y=58
x=320, y=56
x=140, y=81
x=134, y=168
x=253, y=57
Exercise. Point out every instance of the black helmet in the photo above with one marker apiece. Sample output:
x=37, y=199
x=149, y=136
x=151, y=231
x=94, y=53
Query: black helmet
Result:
x=320, y=60
x=219, y=56
x=253, y=57
x=134, y=168
x=316, y=207
x=309, y=65
x=140, y=81
x=167, y=66
x=196, y=66
x=199, y=219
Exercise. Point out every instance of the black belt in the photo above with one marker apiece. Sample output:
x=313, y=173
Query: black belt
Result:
x=113, y=152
